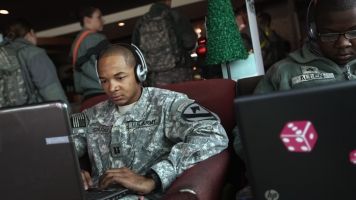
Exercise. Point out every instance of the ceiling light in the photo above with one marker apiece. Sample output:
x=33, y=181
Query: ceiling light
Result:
x=4, y=12
x=121, y=24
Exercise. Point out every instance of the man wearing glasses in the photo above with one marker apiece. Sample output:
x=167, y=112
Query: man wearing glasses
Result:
x=329, y=54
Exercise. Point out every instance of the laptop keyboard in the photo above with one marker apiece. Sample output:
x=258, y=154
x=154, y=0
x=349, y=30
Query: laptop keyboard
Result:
x=106, y=194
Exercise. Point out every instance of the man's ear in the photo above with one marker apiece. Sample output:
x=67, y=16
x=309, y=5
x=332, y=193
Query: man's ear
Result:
x=31, y=37
x=86, y=20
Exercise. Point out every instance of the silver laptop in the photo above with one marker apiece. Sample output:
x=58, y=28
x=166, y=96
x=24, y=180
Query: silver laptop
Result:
x=301, y=144
x=37, y=157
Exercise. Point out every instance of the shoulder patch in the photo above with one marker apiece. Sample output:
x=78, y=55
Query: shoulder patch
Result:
x=184, y=105
x=195, y=112
x=78, y=120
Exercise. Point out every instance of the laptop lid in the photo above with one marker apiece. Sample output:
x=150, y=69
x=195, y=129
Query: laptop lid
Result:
x=37, y=159
x=301, y=144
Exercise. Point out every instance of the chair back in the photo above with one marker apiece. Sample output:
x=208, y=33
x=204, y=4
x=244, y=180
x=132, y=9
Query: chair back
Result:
x=217, y=95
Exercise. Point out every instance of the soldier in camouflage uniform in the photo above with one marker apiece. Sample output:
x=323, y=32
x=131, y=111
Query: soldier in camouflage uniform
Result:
x=142, y=138
x=328, y=57
x=182, y=40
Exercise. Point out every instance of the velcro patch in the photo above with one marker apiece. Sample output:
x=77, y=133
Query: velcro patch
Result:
x=78, y=120
x=309, y=69
x=195, y=112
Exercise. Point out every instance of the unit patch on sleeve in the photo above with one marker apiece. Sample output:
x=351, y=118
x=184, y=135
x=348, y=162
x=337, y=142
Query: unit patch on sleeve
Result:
x=195, y=112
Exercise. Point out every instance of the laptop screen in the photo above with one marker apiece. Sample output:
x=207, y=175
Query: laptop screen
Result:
x=301, y=144
x=37, y=158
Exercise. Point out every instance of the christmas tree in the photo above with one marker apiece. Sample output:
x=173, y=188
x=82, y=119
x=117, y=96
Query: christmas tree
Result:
x=224, y=41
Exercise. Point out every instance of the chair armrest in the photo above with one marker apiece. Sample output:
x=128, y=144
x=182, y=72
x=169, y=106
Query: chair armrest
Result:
x=206, y=179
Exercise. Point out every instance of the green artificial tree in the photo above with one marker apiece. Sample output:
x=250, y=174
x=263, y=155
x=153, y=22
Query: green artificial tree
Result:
x=224, y=41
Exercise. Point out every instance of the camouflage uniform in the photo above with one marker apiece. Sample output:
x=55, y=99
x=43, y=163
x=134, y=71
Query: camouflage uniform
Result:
x=185, y=39
x=305, y=68
x=175, y=75
x=164, y=131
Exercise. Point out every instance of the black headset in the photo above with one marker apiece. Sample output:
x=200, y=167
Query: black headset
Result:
x=310, y=21
x=141, y=66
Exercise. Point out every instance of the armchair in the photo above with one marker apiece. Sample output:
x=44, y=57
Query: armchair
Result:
x=206, y=179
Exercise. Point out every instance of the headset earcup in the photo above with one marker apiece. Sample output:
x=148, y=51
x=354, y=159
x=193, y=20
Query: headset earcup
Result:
x=311, y=26
x=312, y=31
x=140, y=73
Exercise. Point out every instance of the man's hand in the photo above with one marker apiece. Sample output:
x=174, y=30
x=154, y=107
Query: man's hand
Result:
x=87, y=181
x=127, y=179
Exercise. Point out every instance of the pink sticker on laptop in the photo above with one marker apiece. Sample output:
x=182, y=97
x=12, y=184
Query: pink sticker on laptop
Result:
x=352, y=157
x=299, y=136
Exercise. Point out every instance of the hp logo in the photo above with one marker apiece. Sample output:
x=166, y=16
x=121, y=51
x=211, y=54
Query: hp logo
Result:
x=271, y=195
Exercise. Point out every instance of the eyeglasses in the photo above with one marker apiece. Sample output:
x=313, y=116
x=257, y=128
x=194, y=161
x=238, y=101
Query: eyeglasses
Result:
x=332, y=37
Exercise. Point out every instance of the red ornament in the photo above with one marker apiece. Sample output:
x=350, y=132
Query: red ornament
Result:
x=201, y=49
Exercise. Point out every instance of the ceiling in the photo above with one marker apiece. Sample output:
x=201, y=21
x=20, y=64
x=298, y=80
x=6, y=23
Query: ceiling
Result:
x=49, y=14
x=45, y=15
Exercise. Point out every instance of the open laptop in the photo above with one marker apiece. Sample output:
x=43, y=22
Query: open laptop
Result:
x=301, y=144
x=37, y=157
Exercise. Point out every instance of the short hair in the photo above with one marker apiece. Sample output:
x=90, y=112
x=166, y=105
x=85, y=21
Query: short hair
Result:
x=115, y=50
x=323, y=6
x=18, y=29
x=85, y=11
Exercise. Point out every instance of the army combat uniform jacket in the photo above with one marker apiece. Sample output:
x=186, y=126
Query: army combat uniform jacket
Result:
x=301, y=69
x=304, y=68
x=164, y=131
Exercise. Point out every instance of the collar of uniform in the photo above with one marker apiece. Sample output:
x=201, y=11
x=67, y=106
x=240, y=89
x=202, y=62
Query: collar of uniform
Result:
x=138, y=111
x=104, y=110
x=307, y=55
x=23, y=41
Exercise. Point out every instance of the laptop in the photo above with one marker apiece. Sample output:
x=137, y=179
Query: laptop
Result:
x=37, y=157
x=300, y=144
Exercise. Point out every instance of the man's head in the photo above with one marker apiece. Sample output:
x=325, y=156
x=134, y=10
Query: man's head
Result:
x=333, y=18
x=167, y=2
x=91, y=18
x=21, y=28
x=116, y=70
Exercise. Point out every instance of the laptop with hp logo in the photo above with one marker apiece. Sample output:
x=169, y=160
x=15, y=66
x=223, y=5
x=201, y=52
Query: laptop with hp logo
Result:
x=300, y=144
x=37, y=156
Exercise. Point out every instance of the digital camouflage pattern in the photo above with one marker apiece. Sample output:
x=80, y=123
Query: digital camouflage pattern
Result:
x=176, y=75
x=13, y=89
x=164, y=131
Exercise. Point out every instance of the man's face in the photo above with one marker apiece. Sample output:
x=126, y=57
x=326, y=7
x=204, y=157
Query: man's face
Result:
x=118, y=80
x=96, y=21
x=342, y=50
